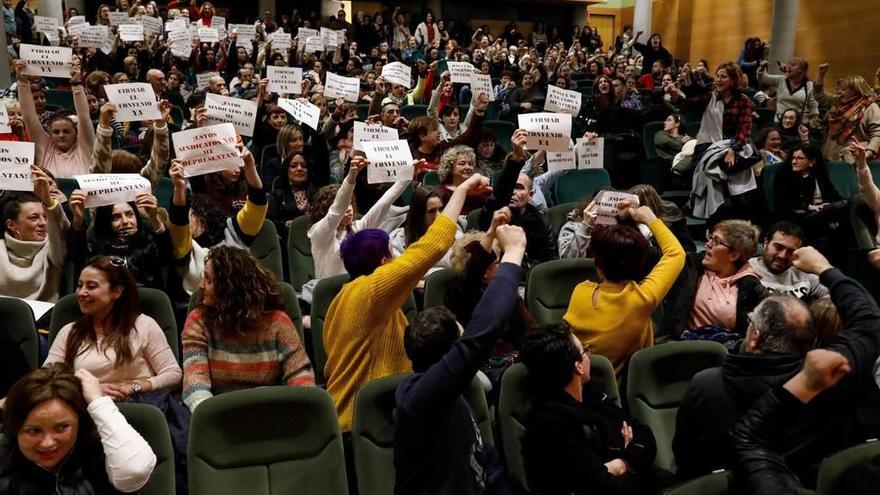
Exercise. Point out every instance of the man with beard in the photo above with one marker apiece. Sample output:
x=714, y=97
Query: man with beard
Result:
x=777, y=274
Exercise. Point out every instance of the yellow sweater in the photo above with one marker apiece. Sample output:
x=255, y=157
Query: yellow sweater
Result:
x=363, y=332
x=619, y=324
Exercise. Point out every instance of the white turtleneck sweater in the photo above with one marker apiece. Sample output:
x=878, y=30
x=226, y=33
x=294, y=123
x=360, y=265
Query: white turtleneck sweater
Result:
x=33, y=269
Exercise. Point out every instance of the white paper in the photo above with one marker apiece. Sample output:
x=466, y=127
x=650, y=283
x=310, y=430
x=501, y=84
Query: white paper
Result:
x=94, y=37
x=741, y=183
x=281, y=41
x=562, y=101
x=591, y=152
x=45, y=24
x=4, y=120
x=118, y=18
x=390, y=161
x=342, y=87
x=302, y=111
x=284, y=79
x=76, y=29
x=460, y=72
x=131, y=32
x=240, y=112
x=482, y=83
x=560, y=160
x=176, y=25
x=314, y=44
x=152, y=25
x=46, y=61
x=53, y=38
x=207, y=149
x=109, y=189
x=398, y=73
x=135, y=102
x=16, y=158
x=217, y=22
x=38, y=308
x=328, y=37
x=245, y=33
x=204, y=78
x=605, y=205
x=547, y=131
x=77, y=19
x=209, y=35
x=372, y=132
x=305, y=33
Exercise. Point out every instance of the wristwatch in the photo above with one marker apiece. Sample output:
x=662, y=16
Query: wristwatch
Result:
x=136, y=387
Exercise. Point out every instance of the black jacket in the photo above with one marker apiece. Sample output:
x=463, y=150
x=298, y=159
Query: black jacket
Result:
x=793, y=193
x=82, y=473
x=718, y=397
x=567, y=443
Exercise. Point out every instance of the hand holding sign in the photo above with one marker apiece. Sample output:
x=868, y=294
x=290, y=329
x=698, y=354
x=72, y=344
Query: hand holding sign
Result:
x=109, y=189
x=391, y=161
x=207, y=149
x=562, y=101
x=46, y=61
x=16, y=159
x=608, y=205
x=134, y=102
x=547, y=131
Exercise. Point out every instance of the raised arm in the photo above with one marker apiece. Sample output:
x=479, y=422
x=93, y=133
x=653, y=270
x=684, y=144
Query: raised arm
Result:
x=58, y=224
x=85, y=131
x=664, y=274
x=866, y=180
x=101, y=163
x=322, y=232
x=29, y=113
x=159, y=152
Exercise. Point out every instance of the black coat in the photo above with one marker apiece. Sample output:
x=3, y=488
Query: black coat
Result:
x=793, y=193
x=83, y=473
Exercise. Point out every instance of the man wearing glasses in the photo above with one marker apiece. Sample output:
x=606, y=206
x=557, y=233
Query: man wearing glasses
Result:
x=777, y=273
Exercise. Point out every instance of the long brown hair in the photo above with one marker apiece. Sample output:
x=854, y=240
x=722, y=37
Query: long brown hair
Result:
x=122, y=316
x=246, y=288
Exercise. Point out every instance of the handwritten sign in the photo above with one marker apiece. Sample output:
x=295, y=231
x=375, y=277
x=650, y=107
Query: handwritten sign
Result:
x=314, y=44
x=546, y=131
x=209, y=35
x=207, y=149
x=241, y=113
x=152, y=25
x=180, y=43
x=4, y=120
x=109, y=189
x=245, y=33
x=284, y=79
x=390, y=161
x=134, y=102
x=562, y=101
x=398, y=73
x=94, y=37
x=131, y=32
x=45, y=24
x=203, y=79
x=560, y=160
x=301, y=110
x=342, y=87
x=328, y=37
x=118, y=18
x=305, y=33
x=460, y=72
x=605, y=205
x=372, y=132
x=280, y=41
x=15, y=165
x=591, y=152
x=46, y=61
x=482, y=83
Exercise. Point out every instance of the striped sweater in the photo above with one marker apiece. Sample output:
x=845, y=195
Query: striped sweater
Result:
x=212, y=364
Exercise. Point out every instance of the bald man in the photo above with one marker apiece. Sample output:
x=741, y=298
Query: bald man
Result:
x=156, y=79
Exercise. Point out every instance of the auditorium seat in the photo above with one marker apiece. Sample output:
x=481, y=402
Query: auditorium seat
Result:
x=558, y=215
x=711, y=484
x=299, y=252
x=837, y=464
x=843, y=176
x=503, y=132
x=436, y=286
x=574, y=185
x=18, y=324
x=551, y=283
x=266, y=247
x=150, y=422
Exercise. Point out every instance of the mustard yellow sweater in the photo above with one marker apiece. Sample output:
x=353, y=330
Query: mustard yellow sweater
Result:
x=619, y=324
x=363, y=332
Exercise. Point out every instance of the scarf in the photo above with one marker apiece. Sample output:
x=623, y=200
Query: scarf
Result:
x=844, y=117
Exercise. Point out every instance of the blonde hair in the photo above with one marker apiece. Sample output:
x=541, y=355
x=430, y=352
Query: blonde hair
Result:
x=11, y=105
x=859, y=86
x=460, y=255
x=827, y=321
x=447, y=161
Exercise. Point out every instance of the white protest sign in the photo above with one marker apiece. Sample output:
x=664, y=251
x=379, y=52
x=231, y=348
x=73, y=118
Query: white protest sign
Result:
x=118, y=18
x=45, y=24
x=181, y=51
x=76, y=29
x=53, y=38
x=281, y=41
x=176, y=24
x=152, y=25
x=302, y=111
x=482, y=83
x=460, y=71
x=77, y=19
x=364, y=132
x=131, y=32
x=591, y=152
x=546, y=131
x=328, y=36
x=180, y=43
x=134, y=102
x=560, y=160
x=398, y=73
x=390, y=161
x=109, y=189
x=305, y=33
x=209, y=35
x=93, y=37
x=562, y=101
x=314, y=44
x=4, y=121
x=284, y=79
x=204, y=78
x=46, y=61
x=218, y=22
x=15, y=166
x=207, y=149
x=340, y=36
x=342, y=87
x=245, y=32
x=605, y=205
x=241, y=113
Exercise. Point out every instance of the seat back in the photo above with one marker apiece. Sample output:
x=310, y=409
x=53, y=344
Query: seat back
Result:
x=59, y=97
x=551, y=284
x=843, y=176
x=837, y=464
x=299, y=252
x=164, y=191
x=862, y=220
x=558, y=215
x=657, y=380
x=436, y=286
x=18, y=323
x=152, y=425
x=266, y=247
x=431, y=179
x=267, y=440
x=153, y=302
x=503, y=131
x=473, y=219
x=711, y=484
x=648, y=132
x=574, y=185
x=768, y=176
x=410, y=112
x=66, y=186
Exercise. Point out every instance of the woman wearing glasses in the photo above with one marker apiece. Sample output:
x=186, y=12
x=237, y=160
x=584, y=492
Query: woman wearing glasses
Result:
x=719, y=287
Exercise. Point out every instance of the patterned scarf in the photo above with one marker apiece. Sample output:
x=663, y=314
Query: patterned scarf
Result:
x=844, y=117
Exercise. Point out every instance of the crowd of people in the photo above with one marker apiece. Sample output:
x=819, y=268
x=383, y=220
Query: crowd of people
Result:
x=766, y=282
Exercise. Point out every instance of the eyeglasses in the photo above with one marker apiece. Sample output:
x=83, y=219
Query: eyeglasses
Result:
x=715, y=241
x=586, y=351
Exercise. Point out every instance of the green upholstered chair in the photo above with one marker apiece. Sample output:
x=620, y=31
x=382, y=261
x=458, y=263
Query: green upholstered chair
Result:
x=837, y=464
x=436, y=286
x=266, y=247
x=18, y=322
x=551, y=284
x=503, y=131
x=152, y=425
x=711, y=484
x=574, y=185
x=299, y=253
x=558, y=215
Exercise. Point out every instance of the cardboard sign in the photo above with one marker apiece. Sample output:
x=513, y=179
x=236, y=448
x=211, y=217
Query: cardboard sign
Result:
x=284, y=79
x=118, y=18
x=131, y=32
x=547, y=131
x=134, y=102
x=302, y=111
x=328, y=37
x=152, y=25
x=4, y=121
x=562, y=101
x=398, y=73
x=94, y=37
x=203, y=79
x=605, y=205
x=460, y=72
x=482, y=83
x=314, y=44
x=207, y=149
x=45, y=24
x=390, y=161
x=342, y=87
x=241, y=113
x=281, y=41
x=560, y=160
x=109, y=189
x=591, y=152
x=209, y=35
x=15, y=165
x=372, y=132
x=46, y=61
